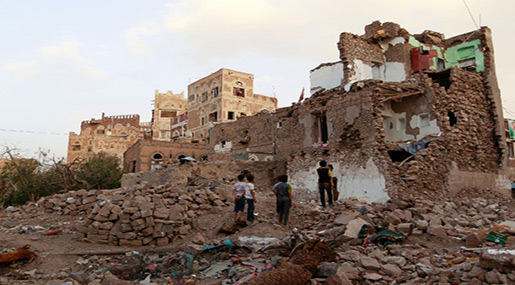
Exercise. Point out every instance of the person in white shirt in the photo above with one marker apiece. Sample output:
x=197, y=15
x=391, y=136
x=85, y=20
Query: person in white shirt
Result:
x=239, y=196
x=250, y=197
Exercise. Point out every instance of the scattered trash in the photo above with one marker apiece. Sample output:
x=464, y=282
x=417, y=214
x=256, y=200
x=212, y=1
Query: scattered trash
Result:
x=18, y=254
x=53, y=232
x=257, y=243
x=497, y=238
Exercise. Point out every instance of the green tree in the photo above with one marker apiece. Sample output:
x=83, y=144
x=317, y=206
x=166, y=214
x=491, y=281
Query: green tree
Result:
x=101, y=171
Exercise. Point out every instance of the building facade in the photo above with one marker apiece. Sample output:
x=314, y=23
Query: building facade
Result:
x=145, y=155
x=167, y=106
x=225, y=95
x=109, y=134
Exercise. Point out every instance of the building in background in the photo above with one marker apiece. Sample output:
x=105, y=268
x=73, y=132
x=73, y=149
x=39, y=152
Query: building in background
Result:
x=145, y=155
x=223, y=96
x=167, y=106
x=109, y=134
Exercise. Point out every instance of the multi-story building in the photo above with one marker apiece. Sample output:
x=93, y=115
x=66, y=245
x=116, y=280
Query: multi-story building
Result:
x=110, y=134
x=223, y=96
x=179, y=126
x=167, y=106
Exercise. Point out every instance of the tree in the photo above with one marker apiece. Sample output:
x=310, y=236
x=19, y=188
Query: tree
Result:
x=101, y=171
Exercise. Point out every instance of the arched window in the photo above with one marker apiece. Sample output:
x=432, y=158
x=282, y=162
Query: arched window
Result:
x=157, y=156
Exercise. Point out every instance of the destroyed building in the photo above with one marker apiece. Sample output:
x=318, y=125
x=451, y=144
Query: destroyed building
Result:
x=224, y=95
x=398, y=113
x=109, y=134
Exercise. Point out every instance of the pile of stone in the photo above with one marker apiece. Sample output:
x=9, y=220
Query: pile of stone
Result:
x=153, y=215
x=443, y=241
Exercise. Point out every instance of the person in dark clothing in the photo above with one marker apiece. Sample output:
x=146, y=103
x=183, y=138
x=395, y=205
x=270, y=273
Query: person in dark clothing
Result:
x=282, y=191
x=324, y=183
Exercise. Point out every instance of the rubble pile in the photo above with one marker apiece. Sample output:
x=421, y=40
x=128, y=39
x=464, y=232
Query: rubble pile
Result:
x=418, y=240
x=153, y=215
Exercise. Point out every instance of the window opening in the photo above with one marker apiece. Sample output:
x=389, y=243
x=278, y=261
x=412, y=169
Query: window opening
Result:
x=324, y=135
x=453, y=120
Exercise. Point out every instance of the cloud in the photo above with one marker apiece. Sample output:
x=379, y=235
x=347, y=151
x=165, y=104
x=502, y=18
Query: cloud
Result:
x=60, y=62
x=24, y=68
x=137, y=39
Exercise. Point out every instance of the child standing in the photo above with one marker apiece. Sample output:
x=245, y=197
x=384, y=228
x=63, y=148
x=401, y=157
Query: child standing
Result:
x=239, y=197
x=282, y=191
x=250, y=197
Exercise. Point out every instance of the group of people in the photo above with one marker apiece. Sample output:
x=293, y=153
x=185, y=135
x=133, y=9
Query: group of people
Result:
x=244, y=191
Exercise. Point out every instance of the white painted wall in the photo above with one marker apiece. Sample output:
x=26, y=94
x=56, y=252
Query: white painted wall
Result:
x=425, y=126
x=326, y=77
x=394, y=72
x=364, y=183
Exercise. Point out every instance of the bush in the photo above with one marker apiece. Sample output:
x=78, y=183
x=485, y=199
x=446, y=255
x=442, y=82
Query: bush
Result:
x=24, y=180
x=102, y=171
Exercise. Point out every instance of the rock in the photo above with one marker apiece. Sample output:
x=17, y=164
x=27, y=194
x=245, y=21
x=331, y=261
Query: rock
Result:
x=405, y=228
x=391, y=269
x=354, y=226
x=161, y=213
x=326, y=269
x=369, y=263
x=473, y=240
x=393, y=219
x=438, y=231
x=345, y=218
x=339, y=278
x=421, y=224
x=491, y=277
x=373, y=276
x=397, y=260
x=79, y=277
x=458, y=259
x=502, y=260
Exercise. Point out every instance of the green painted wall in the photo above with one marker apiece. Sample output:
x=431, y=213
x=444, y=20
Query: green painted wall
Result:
x=464, y=52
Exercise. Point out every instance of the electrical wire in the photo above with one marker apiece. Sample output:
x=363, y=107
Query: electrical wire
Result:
x=33, y=132
x=470, y=13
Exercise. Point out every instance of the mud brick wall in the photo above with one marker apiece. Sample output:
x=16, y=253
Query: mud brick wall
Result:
x=469, y=145
x=353, y=47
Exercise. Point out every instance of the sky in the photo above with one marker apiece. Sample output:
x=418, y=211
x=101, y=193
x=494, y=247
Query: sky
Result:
x=62, y=62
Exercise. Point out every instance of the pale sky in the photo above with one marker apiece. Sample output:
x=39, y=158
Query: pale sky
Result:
x=62, y=62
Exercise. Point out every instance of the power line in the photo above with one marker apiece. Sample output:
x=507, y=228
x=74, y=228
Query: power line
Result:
x=470, y=13
x=33, y=132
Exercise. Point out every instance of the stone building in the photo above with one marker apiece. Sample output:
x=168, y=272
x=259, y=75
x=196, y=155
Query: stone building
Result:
x=145, y=155
x=167, y=106
x=179, y=126
x=223, y=96
x=408, y=113
x=110, y=134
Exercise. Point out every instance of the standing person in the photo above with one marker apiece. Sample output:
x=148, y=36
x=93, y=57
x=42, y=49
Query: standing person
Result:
x=239, y=197
x=284, y=201
x=324, y=183
x=250, y=197
x=334, y=184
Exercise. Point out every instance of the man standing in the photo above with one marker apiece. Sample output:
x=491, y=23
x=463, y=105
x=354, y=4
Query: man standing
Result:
x=324, y=183
x=282, y=191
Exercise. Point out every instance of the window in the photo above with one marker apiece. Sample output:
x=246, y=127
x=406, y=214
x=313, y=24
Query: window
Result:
x=203, y=121
x=204, y=97
x=452, y=118
x=213, y=117
x=214, y=92
x=279, y=125
x=324, y=135
x=239, y=92
x=100, y=131
x=230, y=115
x=76, y=147
x=157, y=156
